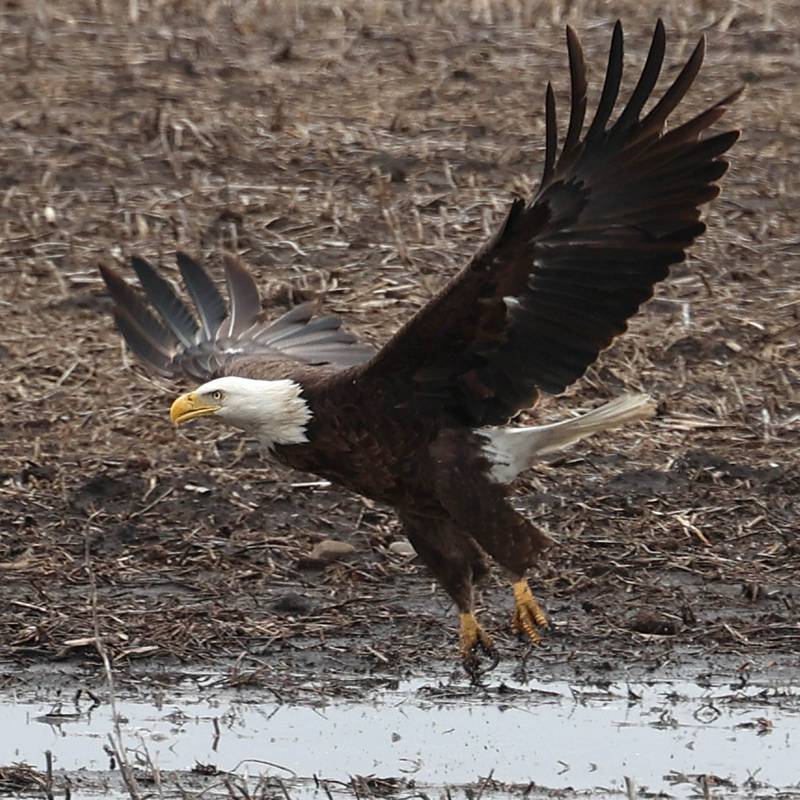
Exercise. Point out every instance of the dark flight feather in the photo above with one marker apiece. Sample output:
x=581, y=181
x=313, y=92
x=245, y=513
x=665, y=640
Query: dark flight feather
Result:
x=655, y=119
x=138, y=315
x=578, y=88
x=205, y=295
x=551, y=135
x=645, y=85
x=299, y=314
x=608, y=98
x=170, y=307
x=142, y=344
x=244, y=298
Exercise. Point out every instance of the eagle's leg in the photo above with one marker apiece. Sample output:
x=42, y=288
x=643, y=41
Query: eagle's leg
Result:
x=528, y=614
x=456, y=561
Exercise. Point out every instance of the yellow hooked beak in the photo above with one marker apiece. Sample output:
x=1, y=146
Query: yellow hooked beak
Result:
x=190, y=406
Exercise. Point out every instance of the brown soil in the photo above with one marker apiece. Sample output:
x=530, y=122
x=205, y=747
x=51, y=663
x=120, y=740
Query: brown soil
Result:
x=357, y=152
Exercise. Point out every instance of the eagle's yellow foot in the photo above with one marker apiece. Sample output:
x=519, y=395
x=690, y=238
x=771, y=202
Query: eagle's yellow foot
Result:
x=528, y=615
x=471, y=637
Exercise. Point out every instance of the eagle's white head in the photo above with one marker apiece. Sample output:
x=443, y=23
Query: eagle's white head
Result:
x=273, y=411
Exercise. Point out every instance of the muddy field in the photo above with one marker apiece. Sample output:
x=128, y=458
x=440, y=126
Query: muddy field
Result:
x=356, y=153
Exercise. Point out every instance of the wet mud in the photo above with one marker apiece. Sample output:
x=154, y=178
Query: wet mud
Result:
x=528, y=738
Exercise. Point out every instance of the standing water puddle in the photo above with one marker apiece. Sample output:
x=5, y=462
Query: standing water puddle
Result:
x=556, y=735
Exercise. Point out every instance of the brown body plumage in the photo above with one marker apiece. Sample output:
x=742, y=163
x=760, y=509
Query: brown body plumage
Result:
x=419, y=424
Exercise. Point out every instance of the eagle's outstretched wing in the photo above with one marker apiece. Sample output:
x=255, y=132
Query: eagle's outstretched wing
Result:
x=173, y=342
x=559, y=280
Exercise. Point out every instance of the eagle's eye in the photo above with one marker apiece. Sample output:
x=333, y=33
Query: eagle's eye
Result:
x=217, y=395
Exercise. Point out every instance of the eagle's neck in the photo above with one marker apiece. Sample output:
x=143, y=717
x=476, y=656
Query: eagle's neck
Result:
x=275, y=412
x=288, y=414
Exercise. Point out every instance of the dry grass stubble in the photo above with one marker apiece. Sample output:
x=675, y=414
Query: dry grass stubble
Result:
x=357, y=153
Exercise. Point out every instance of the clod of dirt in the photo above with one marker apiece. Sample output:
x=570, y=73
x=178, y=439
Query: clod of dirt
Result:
x=396, y=167
x=32, y=470
x=646, y=482
x=293, y=603
x=704, y=463
x=110, y=492
x=654, y=623
x=205, y=769
x=402, y=548
x=325, y=552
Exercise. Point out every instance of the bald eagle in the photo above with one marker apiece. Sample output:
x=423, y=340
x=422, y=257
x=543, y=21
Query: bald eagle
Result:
x=423, y=423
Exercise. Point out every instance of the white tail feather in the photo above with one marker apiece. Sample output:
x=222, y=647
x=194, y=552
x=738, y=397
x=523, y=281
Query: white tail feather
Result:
x=512, y=450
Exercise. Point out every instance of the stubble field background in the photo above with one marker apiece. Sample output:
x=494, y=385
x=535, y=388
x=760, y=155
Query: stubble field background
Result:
x=356, y=153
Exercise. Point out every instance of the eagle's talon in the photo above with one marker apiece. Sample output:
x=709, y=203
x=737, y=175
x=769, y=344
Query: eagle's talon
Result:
x=524, y=625
x=472, y=662
x=473, y=637
x=528, y=615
